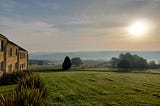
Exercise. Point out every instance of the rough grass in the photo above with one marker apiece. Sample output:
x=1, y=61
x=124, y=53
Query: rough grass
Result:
x=102, y=88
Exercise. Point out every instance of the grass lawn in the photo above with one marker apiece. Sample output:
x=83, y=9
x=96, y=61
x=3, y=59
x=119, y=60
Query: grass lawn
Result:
x=92, y=88
x=4, y=90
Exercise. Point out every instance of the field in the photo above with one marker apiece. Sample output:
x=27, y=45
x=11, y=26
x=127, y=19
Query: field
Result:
x=102, y=88
x=94, y=88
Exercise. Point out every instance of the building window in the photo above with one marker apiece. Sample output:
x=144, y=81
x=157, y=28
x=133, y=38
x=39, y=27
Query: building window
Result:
x=1, y=66
x=16, y=65
x=22, y=55
x=20, y=67
x=1, y=45
x=10, y=51
x=10, y=68
x=16, y=53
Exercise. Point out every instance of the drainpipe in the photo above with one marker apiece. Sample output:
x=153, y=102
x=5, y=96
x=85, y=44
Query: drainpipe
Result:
x=5, y=56
x=18, y=59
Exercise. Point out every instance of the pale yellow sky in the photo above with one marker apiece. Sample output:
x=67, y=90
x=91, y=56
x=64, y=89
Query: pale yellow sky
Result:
x=81, y=25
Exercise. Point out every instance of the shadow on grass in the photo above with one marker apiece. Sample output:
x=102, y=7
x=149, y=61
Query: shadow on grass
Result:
x=131, y=70
x=122, y=70
x=47, y=70
x=70, y=70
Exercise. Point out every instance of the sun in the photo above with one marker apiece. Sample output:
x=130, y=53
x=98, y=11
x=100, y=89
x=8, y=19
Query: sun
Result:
x=137, y=29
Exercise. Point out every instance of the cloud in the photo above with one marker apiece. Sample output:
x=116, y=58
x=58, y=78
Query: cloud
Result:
x=27, y=34
x=52, y=6
x=60, y=25
x=7, y=5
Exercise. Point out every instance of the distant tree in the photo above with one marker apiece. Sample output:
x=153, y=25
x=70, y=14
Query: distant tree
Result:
x=128, y=60
x=123, y=64
x=40, y=62
x=114, y=61
x=158, y=65
x=76, y=61
x=135, y=61
x=66, y=64
x=152, y=64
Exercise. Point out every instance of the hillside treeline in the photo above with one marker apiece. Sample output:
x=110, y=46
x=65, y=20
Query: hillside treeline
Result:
x=127, y=60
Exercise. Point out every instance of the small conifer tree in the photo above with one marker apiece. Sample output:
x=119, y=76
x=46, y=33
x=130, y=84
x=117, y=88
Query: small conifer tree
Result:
x=66, y=64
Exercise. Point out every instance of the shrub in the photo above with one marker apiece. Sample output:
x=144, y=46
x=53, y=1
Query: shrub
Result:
x=12, y=78
x=30, y=91
x=76, y=61
x=123, y=64
x=25, y=97
x=66, y=64
x=32, y=82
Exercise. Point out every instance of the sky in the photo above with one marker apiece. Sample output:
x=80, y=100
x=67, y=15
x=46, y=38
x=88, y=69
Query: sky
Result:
x=80, y=25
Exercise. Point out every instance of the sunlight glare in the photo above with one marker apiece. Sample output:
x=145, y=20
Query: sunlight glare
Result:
x=138, y=29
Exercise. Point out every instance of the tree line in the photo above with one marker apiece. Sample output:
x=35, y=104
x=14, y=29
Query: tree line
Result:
x=125, y=60
x=128, y=60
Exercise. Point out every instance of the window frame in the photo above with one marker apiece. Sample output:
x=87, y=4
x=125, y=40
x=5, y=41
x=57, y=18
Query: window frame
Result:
x=1, y=66
x=1, y=45
x=10, y=68
x=16, y=65
x=16, y=52
x=10, y=51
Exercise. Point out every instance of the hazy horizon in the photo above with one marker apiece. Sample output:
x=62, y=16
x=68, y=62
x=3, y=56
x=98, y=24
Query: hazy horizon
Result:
x=82, y=25
x=93, y=55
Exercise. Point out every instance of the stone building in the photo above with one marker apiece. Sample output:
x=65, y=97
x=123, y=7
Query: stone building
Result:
x=12, y=57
